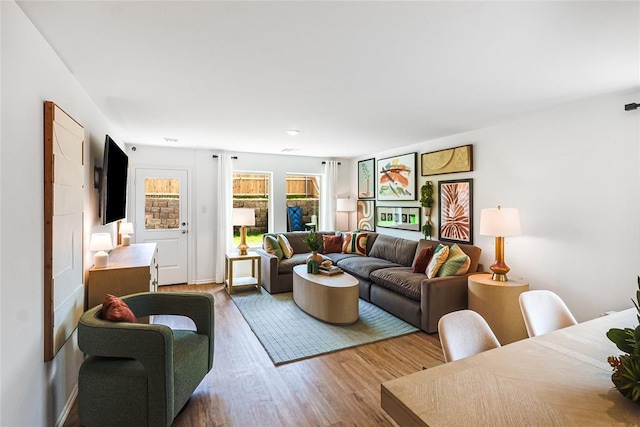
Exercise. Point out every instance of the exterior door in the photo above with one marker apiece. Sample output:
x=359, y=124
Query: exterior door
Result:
x=161, y=217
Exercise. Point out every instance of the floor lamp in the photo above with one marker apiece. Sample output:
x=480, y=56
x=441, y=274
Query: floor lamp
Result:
x=346, y=205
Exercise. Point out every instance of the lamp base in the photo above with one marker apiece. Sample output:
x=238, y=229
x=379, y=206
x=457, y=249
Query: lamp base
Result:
x=242, y=247
x=499, y=277
x=126, y=240
x=100, y=259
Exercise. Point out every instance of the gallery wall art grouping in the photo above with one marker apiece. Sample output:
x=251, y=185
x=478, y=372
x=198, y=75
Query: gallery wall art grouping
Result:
x=395, y=179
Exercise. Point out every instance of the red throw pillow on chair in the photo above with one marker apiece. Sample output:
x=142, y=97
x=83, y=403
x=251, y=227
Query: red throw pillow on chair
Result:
x=115, y=309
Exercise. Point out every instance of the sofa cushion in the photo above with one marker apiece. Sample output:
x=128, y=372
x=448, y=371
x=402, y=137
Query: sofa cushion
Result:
x=362, y=266
x=335, y=257
x=286, y=264
x=272, y=246
x=395, y=249
x=331, y=244
x=354, y=243
x=287, y=250
x=401, y=280
x=422, y=260
x=440, y=255
x=457, y=263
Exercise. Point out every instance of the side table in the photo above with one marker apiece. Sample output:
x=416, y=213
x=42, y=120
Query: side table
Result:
x=231, y=282
x=498, y=303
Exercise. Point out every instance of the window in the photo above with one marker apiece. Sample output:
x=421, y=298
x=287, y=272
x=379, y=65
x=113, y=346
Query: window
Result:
x=251, y=190
x=304, y=191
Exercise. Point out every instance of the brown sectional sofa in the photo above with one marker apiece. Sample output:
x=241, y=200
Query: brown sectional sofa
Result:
x=385, y=276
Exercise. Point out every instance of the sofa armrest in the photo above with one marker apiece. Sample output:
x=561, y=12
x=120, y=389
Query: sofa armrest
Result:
x=439, y=296
x=269, y=269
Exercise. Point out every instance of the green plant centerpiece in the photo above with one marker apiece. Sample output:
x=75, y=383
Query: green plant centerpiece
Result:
x=314, y=242
x=426, y=201
x=626, y=367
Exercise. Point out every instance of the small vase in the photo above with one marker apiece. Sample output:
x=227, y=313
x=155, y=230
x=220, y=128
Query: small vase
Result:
x=314, y=255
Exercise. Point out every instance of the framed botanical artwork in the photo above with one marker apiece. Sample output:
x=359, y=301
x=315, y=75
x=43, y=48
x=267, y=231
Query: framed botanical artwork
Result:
x=366, y=211
x=366, y=179
x=456, y=210
x=404, y=218
x=397, y=177
x=457, y=159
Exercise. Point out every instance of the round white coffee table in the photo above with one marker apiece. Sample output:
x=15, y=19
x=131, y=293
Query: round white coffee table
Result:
x=332, y=299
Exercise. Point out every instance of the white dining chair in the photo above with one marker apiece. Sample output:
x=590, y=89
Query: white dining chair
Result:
x=543, y=312
x=464, y=333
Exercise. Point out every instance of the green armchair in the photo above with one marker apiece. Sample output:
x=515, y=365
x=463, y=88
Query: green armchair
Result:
x=143, y=374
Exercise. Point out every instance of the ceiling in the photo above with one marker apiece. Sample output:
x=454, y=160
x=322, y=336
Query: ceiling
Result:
x=354, y=77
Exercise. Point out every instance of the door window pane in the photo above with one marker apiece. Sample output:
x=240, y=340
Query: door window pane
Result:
x=161, y=203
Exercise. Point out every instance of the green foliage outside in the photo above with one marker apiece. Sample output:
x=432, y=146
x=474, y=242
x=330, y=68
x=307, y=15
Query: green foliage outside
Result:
x=253, y=239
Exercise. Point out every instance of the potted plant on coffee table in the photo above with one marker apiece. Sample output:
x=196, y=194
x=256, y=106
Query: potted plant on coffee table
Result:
x=314, y=242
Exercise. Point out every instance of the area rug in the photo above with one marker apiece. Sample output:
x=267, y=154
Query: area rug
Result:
x=289, y=334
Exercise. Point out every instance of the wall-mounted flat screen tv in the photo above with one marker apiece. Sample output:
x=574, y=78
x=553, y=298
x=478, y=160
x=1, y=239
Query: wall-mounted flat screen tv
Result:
x=115, y=166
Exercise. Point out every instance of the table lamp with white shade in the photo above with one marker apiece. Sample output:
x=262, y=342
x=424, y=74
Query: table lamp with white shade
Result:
x=126, y=228
x=100, y=242
x=243, y=217
x=500, y=222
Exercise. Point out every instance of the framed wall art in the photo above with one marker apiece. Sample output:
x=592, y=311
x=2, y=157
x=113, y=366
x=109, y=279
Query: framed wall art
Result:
x=366, y=179
x=456, y=210
x=366, y=211
x=404, y=218
x=397, y=177
x=458, y=159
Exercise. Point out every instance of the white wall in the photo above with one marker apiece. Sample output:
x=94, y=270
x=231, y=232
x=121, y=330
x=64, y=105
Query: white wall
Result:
x=202, y=168
x=574, y=173
x=34, y=393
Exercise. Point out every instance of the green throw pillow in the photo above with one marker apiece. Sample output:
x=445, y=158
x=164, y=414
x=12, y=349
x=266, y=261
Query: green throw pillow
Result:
x=272, y=246
x=457, y=263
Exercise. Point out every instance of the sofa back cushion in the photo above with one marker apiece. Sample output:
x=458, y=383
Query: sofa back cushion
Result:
x=394, y=249
x=471, y=250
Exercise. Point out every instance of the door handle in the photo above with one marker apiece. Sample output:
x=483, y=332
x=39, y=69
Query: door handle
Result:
x=183, y=231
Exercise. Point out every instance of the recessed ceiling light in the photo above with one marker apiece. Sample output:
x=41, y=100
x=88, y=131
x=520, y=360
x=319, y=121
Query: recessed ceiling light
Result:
x=290, y=150
x=170, y=139
x=293, y=132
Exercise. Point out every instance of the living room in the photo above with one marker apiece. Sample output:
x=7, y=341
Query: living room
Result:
x=571, y=168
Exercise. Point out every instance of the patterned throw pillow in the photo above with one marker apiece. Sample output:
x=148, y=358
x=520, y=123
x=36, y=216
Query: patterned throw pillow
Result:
x=115, y=309
x=355, y=243
x=457, y=263
x=272, y=246
x=439, y=257
x=422, y=260
x=331, y=244
x=287, y=250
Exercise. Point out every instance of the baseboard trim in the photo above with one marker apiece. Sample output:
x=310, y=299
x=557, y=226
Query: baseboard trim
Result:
x=67, y=407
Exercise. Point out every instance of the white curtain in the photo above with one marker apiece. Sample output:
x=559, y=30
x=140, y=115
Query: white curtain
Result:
x=328, y=199
x=223, y=239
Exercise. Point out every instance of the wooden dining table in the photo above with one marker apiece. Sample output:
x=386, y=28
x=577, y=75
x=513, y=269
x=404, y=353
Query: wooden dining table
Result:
x=557, y=379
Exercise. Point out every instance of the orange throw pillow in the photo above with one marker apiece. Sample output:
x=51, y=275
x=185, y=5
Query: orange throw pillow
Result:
x=331, y=244
x=422, y=260
x=115, y=309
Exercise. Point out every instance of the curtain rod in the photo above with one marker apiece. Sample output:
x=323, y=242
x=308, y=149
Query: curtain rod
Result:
x=324, y=163
x=215, y=156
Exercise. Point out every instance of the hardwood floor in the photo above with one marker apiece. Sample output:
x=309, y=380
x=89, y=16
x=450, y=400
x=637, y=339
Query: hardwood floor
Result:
x=244, y=388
